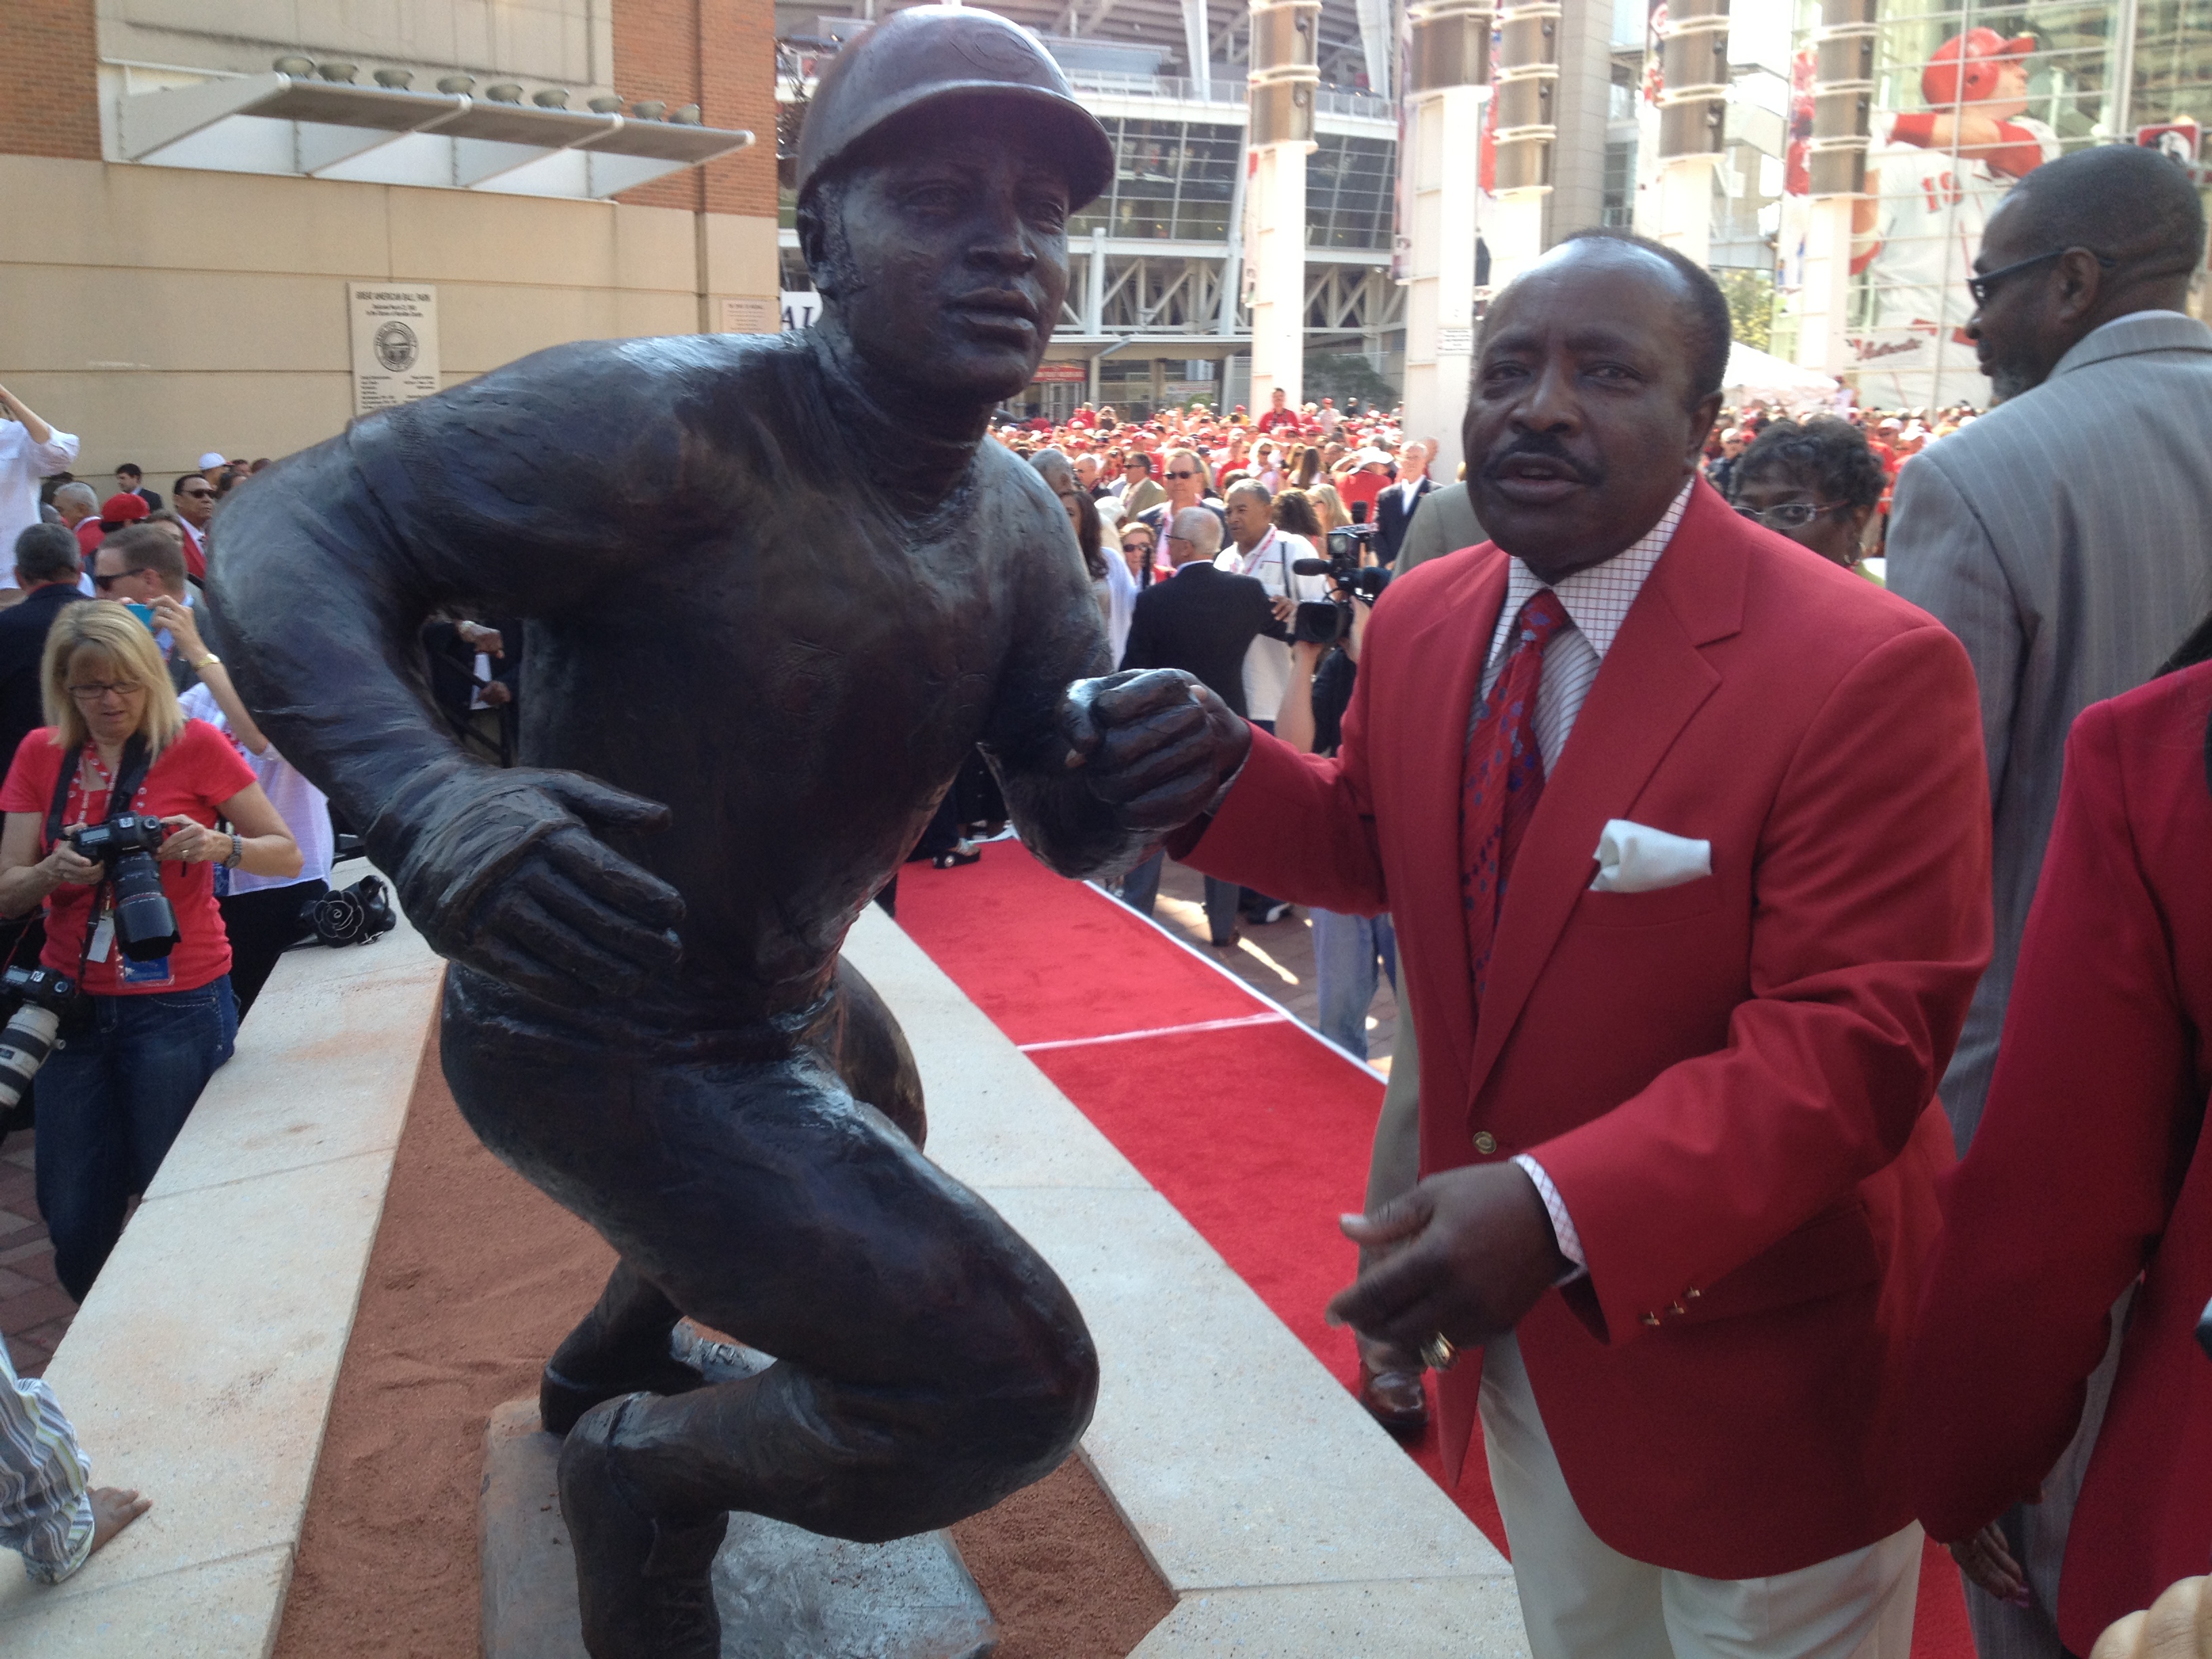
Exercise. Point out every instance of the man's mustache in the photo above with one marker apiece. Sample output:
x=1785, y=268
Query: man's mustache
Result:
x=1543, y=446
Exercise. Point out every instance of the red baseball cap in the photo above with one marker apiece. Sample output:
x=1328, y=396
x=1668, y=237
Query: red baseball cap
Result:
x=1963, y=69
x=122, y=509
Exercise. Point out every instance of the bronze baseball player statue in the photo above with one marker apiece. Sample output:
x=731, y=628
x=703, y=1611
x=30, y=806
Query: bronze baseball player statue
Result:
x=774, y=591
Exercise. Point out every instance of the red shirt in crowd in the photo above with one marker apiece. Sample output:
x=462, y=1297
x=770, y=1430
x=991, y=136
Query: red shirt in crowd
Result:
x=194, y=775
x=1361, y=485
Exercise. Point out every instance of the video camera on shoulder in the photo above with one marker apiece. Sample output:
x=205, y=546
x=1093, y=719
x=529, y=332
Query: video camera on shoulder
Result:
x=1325, y=622
x=145, y=922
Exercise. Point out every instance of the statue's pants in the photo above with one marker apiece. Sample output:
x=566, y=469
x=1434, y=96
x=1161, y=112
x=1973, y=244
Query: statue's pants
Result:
x=929, y=1361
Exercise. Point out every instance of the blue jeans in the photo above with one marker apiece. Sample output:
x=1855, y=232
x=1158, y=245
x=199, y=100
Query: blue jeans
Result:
x=1140, y=890
x=111, y=1102
x=1348, y=951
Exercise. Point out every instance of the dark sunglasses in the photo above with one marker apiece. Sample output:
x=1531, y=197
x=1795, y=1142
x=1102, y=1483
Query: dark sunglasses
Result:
x=1984, y=285
x=103, y=583
x=196, y=492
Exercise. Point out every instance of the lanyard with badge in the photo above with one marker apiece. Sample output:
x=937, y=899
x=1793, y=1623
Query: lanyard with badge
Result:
x=130, y=881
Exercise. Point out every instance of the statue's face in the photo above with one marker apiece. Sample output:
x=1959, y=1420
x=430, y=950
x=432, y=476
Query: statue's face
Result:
x=956, y=236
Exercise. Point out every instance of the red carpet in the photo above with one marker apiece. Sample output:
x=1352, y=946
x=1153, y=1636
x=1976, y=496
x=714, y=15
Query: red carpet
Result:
x=1254, y=1128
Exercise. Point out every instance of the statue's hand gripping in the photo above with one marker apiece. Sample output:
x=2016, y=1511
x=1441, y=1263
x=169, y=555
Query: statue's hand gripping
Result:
x=502, y=870
x=1155, y=744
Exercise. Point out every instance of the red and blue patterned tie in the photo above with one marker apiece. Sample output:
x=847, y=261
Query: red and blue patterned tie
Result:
x=1504, y=779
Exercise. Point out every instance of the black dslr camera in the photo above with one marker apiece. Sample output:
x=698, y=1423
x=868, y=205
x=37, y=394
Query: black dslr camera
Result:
x=1326, y=621
x=30, y=1034
x=145, y=923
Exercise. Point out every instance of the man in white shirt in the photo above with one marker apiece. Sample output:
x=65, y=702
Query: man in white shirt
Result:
x=29, y=450
x=1269, y=556
x=1260, y=550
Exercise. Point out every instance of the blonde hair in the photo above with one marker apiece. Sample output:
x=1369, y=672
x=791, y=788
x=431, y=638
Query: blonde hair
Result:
x=1328, y=507
x=103, y=626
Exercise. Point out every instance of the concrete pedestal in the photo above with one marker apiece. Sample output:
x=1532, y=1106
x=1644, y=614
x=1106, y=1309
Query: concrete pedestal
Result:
x=784, y=1593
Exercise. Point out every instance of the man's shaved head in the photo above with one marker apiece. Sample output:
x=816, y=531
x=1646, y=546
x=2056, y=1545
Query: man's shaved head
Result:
x=2098, y=235
x=2125, y=201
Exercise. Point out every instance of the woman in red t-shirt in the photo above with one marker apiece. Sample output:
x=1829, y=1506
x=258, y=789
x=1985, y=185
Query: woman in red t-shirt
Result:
x=144, y=1036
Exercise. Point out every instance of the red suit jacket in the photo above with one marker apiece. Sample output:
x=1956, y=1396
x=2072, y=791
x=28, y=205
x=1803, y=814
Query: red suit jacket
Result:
x=1729, y=1081
x=2090, y=1167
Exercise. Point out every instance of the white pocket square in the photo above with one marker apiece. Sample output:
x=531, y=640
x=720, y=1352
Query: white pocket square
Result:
x=1634, y=858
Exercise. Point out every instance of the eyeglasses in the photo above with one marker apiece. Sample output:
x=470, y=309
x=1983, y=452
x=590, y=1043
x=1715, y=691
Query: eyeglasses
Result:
x=125, y=689
x=103, y=583
x=1983, y=286
x=1791, y=515
x=196, y=493
x=1182, y=475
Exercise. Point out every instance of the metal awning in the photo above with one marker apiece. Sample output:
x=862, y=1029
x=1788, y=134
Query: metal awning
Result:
x=275, y=122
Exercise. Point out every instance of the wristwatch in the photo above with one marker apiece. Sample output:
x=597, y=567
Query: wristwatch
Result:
x=237, y=853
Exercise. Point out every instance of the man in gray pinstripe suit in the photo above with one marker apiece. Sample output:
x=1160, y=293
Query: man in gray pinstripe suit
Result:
x=2066, y=538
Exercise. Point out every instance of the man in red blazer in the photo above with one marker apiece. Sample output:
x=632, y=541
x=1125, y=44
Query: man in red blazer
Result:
x=2088, y=1175
x=1676, y=1134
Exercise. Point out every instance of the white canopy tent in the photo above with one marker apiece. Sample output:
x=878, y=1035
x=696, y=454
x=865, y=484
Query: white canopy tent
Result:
x=1755, y=373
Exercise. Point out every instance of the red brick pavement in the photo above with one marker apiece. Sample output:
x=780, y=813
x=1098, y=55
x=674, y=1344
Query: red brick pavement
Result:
x=34, y=1310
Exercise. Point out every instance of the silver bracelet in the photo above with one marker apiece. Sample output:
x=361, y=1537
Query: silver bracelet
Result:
x=237, y=853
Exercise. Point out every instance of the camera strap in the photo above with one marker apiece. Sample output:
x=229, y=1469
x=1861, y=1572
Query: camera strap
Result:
x=129, y=774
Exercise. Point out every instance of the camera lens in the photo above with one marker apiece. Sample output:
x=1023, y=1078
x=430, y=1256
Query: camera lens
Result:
x=145, y=923
x=25, y=1042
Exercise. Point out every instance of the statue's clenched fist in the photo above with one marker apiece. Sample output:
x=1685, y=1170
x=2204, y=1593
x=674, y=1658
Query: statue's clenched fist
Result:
x=1155, y=744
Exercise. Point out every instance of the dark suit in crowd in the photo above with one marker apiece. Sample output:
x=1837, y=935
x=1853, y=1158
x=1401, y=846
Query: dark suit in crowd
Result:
x=1201, y=620
x=23, y=644
x=1394, y=511
x=23, y=629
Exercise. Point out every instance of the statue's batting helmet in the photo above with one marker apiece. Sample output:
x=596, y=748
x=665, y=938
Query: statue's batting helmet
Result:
x=928, y=53
x=1964, y=69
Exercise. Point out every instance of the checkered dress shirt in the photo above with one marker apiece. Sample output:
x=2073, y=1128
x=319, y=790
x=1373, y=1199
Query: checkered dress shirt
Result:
x=1597, y=601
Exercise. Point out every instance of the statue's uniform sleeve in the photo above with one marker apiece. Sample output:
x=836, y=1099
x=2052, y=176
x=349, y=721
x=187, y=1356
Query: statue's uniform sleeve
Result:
x=1058, y=639
x=522, y=492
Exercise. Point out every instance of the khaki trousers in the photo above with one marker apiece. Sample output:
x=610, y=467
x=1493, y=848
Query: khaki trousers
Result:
x=1582, y=1599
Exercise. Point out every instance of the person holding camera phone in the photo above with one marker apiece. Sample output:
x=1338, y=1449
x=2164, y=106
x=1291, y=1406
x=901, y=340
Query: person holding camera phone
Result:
x=263, y=916
x=109, y=823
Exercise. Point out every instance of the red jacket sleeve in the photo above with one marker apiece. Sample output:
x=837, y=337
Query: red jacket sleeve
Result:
x=1299, y=826
x=2066, y=1189
x=1870, y=930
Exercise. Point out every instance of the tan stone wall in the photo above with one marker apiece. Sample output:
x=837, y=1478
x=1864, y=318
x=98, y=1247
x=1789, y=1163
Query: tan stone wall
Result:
x=159, y=313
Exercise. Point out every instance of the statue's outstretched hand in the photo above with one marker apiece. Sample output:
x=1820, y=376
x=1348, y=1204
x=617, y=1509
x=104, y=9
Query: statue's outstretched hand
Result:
x=1155, y=745
x=502, y=870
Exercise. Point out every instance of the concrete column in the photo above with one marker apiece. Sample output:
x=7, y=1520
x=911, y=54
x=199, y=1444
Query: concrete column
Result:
x=1198, y=46
x=1824, y=302
x=1232, y=262
x=1527, y=83
x=1277, y=254
x=1376, y=44
x=1694, y=59
x=1685, y=215
x=1285, y=75
x=1441, y=168
x=1094, y=296
x=1842, y=106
